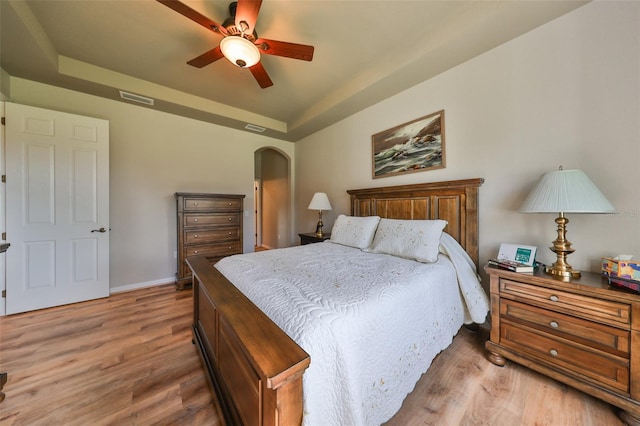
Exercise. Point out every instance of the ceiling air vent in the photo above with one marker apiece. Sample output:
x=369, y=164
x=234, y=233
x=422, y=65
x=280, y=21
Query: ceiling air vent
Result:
x=255, y=128
x=136, y=98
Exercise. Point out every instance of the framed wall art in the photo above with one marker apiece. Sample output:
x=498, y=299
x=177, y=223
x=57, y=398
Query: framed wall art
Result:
x=414, y=146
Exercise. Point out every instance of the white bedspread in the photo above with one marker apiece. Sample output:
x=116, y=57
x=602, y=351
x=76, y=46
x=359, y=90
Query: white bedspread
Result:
x=372, y=323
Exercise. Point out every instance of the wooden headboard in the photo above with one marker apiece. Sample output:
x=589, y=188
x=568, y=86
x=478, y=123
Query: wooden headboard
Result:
x=455, y=201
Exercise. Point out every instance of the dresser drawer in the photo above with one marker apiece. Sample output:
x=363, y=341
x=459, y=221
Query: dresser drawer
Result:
x=205, y=236
x=197, y=204
x=214, y=219
x=605, y=311
x=603, y=337
x=218, y=249
x=592, y=365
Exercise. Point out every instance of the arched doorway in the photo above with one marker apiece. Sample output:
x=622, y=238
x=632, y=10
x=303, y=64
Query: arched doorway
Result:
x=272, y=198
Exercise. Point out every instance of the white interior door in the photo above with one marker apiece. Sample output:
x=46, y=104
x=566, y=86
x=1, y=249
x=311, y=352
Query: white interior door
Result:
x=57, y=208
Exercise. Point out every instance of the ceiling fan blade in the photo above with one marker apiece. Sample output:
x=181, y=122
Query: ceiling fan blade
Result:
x=261, y=75
x=286, y=49
x=247, y=11
x=197, y=17
x=207, y=58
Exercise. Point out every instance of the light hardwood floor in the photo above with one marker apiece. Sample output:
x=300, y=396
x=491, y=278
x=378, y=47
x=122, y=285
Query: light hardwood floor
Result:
x=128, y=360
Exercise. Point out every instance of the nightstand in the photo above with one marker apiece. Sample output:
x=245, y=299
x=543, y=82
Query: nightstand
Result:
x=583, y=333
x=312, y=238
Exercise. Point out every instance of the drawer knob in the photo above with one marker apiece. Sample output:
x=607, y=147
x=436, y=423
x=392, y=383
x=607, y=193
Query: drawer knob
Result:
x=554, y=324
x=195, y=204
x=553, y=352
x=195, y=252
x=195, y=220
x=229, y=203
x=195, y=236
x=229, y=233
x=230, y=219
x=553, y=298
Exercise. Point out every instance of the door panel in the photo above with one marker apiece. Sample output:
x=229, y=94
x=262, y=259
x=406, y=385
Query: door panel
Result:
x=57, y=193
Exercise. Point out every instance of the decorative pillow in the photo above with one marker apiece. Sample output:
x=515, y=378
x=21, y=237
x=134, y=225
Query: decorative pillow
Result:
x=410, y=239
x=354, y=231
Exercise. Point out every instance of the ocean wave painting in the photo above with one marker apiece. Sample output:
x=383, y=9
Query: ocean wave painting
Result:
x=410, y=147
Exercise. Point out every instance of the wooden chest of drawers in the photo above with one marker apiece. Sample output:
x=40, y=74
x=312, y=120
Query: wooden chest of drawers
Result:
x=582, y=333
x=208, y=224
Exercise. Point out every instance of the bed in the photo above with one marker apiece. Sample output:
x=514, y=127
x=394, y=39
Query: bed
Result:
x=346, y=373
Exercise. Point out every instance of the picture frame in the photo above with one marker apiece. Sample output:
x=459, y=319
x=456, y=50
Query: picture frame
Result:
x=414, y=146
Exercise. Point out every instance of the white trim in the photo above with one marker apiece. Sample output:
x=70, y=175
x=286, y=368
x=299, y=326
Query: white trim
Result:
x=129, y=287
x=3, y=256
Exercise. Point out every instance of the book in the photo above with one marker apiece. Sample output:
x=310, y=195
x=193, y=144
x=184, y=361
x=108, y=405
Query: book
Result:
x=625, y=283
x=510, y=265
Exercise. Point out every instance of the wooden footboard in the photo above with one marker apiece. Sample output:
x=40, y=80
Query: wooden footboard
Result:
x=255, y=368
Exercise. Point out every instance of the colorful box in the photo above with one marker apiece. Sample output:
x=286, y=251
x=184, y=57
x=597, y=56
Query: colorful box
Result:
x=626, y=269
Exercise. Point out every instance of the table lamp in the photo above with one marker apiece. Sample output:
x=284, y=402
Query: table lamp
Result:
x=565, y=191
x=319, y=202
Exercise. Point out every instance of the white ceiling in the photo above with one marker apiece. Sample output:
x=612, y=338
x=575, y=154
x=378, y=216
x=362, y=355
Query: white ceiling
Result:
x=365, y=51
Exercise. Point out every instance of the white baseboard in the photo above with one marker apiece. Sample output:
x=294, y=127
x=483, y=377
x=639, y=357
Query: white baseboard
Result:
x=129, y=287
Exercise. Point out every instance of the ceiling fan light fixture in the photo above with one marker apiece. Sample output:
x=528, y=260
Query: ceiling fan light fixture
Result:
x=240, y=51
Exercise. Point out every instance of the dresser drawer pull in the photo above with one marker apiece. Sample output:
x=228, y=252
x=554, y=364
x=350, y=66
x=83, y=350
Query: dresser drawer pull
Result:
x=230, y=247
x=554, y=298
x=195, y=236
x=195, y=252
x=195, y=220
x=553, y=352
x=195, y=204
x=554, y=324
x=229, y=233
x=229, y=203
x=230, y=219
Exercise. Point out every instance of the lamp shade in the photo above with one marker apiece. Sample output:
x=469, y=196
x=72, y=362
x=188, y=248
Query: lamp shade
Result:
x=566, y=191
x=320, y=201
x=240, y=51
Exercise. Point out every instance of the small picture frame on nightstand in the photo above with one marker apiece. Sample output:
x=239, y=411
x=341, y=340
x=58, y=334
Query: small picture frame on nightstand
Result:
x=518, y=253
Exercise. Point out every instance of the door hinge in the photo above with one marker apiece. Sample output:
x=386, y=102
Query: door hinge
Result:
x=4, y=178
x=4, y=235
x=4, y=293
x=3, y=121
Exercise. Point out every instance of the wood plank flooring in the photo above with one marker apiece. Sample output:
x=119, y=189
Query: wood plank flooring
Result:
x=128, y=360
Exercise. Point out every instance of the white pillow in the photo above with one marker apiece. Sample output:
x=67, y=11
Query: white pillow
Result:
x=354, y=231
x=410, y=239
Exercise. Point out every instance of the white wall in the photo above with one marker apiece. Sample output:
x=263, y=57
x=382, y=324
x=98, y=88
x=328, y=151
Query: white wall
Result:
x=567, y=93
x=152, y=156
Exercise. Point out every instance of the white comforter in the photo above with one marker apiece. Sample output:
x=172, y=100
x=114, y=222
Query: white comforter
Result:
x=372, y=323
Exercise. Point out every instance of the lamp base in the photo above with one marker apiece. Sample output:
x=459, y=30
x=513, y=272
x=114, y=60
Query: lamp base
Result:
x=562, y=247
x=562, y=271
x=319, y=232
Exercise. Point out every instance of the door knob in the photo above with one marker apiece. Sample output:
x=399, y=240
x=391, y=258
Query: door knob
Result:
x=101, y=230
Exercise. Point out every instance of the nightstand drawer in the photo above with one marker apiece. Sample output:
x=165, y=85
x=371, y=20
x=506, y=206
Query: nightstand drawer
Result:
x=605, y=311
x=603, y=337
x=594, y=366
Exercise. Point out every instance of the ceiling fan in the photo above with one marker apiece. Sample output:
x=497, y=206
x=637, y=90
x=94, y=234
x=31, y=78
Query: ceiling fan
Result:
x=240, y=43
